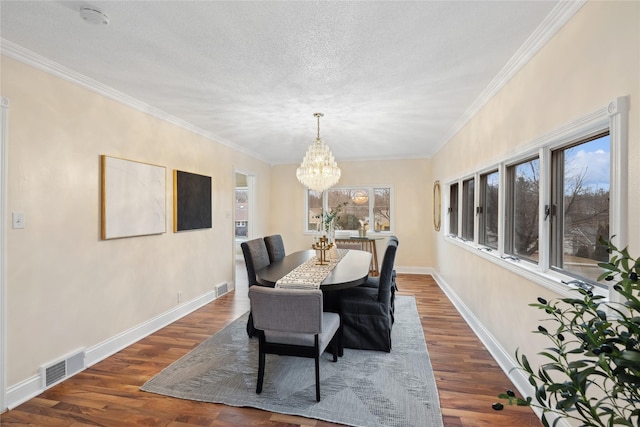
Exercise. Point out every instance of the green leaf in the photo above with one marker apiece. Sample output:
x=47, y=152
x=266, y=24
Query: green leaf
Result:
x=577, y=364
x=630, y=355
x=525, y=363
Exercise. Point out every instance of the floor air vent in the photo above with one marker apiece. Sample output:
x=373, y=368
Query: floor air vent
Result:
x=222, y=289
x=58, y=371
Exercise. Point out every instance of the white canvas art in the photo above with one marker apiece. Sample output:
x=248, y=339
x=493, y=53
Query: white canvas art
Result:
x=133, y=198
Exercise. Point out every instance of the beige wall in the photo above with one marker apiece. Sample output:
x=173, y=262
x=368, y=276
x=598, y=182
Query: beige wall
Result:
x=412, y=194
x=590, y=62
x=66, y=288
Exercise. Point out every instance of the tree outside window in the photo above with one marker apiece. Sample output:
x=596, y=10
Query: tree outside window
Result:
x=356, y=205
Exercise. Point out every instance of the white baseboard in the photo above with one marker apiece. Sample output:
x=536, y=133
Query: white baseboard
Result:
x=31, y=387
x=413, y=270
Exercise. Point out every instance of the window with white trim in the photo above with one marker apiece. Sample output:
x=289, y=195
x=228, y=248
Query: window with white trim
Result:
x=560, y=196
x=579, y=209
x=468, y=208
x=453, y=209
x=488, y=210
x=522, y=200
x=371, y=205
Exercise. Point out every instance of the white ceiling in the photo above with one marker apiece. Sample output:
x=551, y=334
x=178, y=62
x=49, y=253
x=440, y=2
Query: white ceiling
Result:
x=393, y=79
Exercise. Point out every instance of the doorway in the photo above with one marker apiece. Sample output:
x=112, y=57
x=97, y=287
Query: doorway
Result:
x=243, y=224
x=4, y=106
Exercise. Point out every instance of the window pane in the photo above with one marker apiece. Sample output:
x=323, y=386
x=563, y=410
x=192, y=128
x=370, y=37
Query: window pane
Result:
x=584, y=206
x=468, y=208
x=382, y=209
x=314, y=204
x=489, y=213
x=354, y=206
x=524, y=210
x=453, y=209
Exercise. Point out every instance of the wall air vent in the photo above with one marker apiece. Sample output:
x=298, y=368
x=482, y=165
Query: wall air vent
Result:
x=222, y=289
x=55, y=372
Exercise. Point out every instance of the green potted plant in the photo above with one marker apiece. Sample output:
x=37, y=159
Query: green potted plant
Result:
x=328, y=218
x=591, y=372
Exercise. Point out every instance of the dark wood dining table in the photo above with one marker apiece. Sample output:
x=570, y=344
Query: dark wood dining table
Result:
x=352, y=270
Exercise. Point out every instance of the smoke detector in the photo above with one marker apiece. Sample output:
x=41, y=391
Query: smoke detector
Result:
x=94, y=15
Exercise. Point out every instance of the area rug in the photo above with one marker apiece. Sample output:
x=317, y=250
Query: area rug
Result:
x=364, y=388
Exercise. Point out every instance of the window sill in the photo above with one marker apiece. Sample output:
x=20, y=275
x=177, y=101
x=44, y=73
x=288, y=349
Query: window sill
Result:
x=550, y=280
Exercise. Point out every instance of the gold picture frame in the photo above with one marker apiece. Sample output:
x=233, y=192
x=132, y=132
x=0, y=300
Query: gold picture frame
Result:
x=437, y=205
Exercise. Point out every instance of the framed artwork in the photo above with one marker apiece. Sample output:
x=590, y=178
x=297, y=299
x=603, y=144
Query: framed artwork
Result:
x=191, y=201
x=133, y=198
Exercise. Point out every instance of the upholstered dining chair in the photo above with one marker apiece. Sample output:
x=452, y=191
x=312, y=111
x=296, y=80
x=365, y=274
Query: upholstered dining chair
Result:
x=373, y=282
x=255, y=257
x=291, y=322
x=275, y=247
x=366, y=312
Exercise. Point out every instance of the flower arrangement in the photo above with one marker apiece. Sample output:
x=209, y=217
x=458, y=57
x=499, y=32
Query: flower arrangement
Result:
x=329, y=217
x=364, y=226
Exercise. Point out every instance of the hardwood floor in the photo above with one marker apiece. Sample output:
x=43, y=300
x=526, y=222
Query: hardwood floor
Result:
x=107, y=394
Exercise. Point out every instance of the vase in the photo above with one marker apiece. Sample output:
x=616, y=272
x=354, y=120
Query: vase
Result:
x=331, y=232
x=362, y=232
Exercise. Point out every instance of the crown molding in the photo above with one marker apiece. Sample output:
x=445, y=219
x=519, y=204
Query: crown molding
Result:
x=42, y=63
x=557, y=18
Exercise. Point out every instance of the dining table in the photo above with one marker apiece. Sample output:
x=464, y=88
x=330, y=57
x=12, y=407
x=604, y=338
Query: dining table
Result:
x=351, y=271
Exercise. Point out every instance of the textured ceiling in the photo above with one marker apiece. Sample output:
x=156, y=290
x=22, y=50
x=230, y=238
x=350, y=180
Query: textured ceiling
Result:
x=393, y=79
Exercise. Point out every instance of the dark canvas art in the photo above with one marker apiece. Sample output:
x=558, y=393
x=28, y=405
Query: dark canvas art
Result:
x=192, y=201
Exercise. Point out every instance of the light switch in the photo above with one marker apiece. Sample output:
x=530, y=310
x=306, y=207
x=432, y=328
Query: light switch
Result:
x=18, y=219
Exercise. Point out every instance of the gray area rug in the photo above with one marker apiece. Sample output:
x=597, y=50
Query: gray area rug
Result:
x=364, y=388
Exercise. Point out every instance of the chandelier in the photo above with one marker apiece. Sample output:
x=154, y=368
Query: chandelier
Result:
x=318, y=170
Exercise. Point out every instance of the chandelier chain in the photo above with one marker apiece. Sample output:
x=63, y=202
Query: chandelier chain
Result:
x=318, y=115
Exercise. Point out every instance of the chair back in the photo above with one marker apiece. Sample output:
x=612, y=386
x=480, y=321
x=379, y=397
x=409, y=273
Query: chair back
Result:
x=255, y=257
x=386, y=272
x=275, y=247
x=286, y=310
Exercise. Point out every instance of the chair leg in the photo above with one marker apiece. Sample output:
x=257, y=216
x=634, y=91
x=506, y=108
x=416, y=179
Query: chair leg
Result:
x=335, y=348
x=251, y=330
x=340, y=339
x=261, y=361
x=317, y=352
x=317, y=377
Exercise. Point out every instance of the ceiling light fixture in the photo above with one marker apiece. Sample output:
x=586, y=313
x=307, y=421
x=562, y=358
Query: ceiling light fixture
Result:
x=94, y=15
x=360, y=197
x=318, y=170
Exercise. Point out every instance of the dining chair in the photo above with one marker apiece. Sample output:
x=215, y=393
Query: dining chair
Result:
x=373, y=282
x=275, y=247
x=255, y=257
x=366, y=312
x=291, y=322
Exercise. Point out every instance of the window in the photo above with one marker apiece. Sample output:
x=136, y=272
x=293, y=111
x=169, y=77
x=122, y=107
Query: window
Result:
x=488, y=210
x=522, y=207
x=453, y=209
x=579, y=211
x=357, y=204
x=557, y=199
x=468, y=208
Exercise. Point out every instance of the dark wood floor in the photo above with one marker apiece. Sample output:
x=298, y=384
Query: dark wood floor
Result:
x=107, y=394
